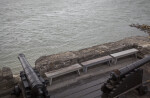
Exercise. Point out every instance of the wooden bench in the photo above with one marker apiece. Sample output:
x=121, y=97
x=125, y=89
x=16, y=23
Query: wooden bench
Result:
x=123, y=54
x=52, y=74
x=96, y=61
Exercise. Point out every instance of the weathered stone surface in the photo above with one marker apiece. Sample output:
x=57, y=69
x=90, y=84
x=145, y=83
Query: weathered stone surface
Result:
x=86, y=54
x=1, y=76
x=6, y=84
x=7, y=80
x=7, y=73
x=56, y=61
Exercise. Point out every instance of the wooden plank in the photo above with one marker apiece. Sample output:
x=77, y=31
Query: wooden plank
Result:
x=76, y=89
x=93, y=94
x=84, y=92
x=52, y=96
x=63, y=71
x=96, y=61
x=98, y=96
x=126, y=52
x=81, y=87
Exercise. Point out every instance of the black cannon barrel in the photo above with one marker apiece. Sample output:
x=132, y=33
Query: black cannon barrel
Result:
x=33, y=79
x=123, y=71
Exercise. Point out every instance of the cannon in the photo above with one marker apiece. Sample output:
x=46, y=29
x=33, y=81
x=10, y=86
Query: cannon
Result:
x=32, y=84
x=126, y=79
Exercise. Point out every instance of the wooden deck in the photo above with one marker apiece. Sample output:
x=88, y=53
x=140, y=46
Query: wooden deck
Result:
x=91, y=90
x=90, y=87
x=83, y=90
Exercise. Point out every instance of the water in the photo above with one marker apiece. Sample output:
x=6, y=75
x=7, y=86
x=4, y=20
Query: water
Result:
x=43, y=27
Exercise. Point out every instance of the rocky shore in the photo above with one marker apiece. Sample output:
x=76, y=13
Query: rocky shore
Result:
x=7, y=81
x=143, y=27
x=57, y=61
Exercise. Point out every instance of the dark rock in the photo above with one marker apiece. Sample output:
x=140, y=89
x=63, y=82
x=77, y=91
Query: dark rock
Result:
x=7, y=80
x=6, y=84
x=7, y=73
x=143, y=27
x=1, y=76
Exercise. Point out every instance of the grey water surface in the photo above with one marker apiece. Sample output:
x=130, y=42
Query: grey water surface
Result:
x=44, y=27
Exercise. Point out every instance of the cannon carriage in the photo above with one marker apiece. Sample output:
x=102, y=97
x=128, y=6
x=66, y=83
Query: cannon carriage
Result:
x=32, y=84
x=126, y=79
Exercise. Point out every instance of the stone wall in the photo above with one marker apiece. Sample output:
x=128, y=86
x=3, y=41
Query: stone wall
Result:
x=6, y=78
x=56, y=61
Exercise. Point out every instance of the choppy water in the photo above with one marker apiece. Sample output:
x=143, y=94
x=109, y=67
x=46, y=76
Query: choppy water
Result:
x=43, y=27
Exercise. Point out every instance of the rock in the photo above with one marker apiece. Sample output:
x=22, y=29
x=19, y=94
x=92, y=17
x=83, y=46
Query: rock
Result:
x=86, y=54
x=7, y=80
x=6, y=84
x=143, y=27
x=7, y=73
x=3, y=84
x=1, y=76
x=55, y=61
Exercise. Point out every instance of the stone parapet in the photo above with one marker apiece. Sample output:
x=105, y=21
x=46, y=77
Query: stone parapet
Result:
x=57, y=61
x=6, y=78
